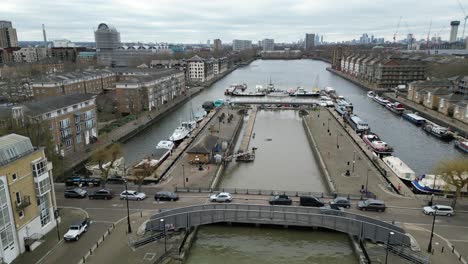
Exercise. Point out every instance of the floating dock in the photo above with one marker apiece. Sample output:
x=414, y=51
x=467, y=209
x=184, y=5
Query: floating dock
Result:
x=244, y=146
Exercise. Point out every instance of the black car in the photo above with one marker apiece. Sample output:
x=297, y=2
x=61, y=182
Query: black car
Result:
x=102, y=194
x=372, y=204
x=310, y=201
x=281, y=199
x=340, y=202
x=166, y=196
x=75, y=193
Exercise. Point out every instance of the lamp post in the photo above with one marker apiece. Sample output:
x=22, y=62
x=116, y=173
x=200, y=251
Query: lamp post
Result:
x=388, y=244
x=367, y=179
x=183, y=174
x=164, y=233
x=429, y=247
x=129, y=226
x=354, y=159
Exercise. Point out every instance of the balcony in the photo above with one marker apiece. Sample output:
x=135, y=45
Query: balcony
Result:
x=25, y=202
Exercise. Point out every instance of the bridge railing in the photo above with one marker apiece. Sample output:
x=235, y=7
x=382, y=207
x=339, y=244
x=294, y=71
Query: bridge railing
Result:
x=353, y=224
x=267, y=192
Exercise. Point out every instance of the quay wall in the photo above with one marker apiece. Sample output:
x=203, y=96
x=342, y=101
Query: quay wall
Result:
x=323, y=167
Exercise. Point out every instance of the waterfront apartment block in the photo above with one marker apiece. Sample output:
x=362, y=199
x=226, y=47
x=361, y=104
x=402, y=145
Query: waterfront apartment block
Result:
x=86, y=82
x=27, y=198
x=460, y=111
x=238, y=45
x=199, y=70
x=147, y=93
x=268, y=44
x=70, y=119
x=426, y=85
x=381, y=72
x=220, y=65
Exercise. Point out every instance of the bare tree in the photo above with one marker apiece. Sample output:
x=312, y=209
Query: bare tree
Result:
x=107, y=155
x=142, y=172
x=455, y=173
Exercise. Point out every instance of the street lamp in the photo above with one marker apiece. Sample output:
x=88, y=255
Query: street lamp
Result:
x=367, y=179
x=354, y=159
x=164, y=233
x=129, y=229
x=429, y=247
x=388, y=244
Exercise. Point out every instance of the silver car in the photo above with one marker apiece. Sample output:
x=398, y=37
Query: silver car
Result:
x=221, y=197
x=132, y=195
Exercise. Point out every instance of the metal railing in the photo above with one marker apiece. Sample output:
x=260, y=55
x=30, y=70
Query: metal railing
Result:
x=267, y=192
x=147, y=240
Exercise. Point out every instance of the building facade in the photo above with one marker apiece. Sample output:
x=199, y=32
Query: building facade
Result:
x=268, y=44
x=27, y=198
x=30, y=54
x=199, y=69
x=220, y=65
x=70, y=119
x=238, y=45
x=217, y=45
x=309, y=42
x=107, y=40
x=148, y=93
x=8, y=36
x=86, y=82
x=429, y=85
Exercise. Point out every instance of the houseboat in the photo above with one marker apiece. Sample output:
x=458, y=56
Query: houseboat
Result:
x=462, y=144
x=414, y=118
x=438, y=131
x=357, y=124
x=403, y=171
x=377, y=145
x=380, y=100
x=430, y=184
x=395, y=107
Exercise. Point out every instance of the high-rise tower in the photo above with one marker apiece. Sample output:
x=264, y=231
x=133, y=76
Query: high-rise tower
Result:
x=454, y=30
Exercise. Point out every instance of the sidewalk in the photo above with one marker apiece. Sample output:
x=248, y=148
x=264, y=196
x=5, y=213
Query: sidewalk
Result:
x=116, y=248
x=67, y=216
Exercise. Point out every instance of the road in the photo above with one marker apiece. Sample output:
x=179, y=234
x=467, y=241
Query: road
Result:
x=104, y=213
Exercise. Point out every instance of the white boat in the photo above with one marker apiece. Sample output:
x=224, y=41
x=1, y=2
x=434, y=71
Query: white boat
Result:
x=302, y=92
x=381, y=100
x=400, y=168
x=200, y=115
x=179, y=134
x=377, y=145
x=117, y=168
x=371, y=94
x=326, y=101
x=165, y=144
x=430, y=183
x=438, y=131
x=189, y=125
x=329, y=90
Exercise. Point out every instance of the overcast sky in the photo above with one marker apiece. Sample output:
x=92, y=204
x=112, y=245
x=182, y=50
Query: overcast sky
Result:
x=195, y=21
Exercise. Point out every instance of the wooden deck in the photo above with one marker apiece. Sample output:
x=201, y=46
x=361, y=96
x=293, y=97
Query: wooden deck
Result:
x=244, y=146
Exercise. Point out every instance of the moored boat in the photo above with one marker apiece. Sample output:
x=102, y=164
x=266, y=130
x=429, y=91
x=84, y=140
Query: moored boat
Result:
x=371, y=94
x=329, y=90
x=150, y=164
x=377, y=145
x=414, y=118
x=179, y=134
x=302, y=92
x=200, y=115
x=189, y=125
x=400, y=168
x=429, y=183
x=462, y=145
x=395, y=107
x=438, y=131
x=356, y=123
x=343, y=107
x=380, y=100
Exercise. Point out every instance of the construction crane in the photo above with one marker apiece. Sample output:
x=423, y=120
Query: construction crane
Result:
x=428, y=35
x=465, y=18
x=396, y=31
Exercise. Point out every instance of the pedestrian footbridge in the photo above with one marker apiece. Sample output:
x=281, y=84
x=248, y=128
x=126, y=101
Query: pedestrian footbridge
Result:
x=288, y=100
x=356, y=225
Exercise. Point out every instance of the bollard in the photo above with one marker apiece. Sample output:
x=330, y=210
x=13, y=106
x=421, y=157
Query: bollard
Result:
x=442, y=250
x=84, y=259
x=460, y=257
x=141, y=214
x=103, y=237
x=90, y=252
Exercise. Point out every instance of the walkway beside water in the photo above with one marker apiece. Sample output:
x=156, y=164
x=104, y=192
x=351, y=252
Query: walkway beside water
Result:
x=244, y=147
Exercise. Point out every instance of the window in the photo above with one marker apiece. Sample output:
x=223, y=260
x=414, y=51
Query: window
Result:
x=21, y=214
x=18, y=198
x=68, y=142
x=6, y=229
x=14, y=177
x=43, y=203
x=40, y=168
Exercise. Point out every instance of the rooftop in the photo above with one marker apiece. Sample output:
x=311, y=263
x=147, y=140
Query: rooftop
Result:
x=14, y=146
x=54, y=103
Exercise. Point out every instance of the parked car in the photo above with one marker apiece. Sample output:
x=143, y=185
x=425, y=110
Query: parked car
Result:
x=132, y=195
x=166, y=196
x=340, y=202
x=75, y=193
x=105, y=194
x=115, y=180
x=281, y=199
x=82, y=181
x=310, y=201
x=76, y=230
x=439, y=210
x=371, y=204
x=222, y=197
x=332, y=210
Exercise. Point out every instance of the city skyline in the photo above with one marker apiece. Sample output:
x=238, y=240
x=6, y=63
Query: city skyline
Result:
x=190, y=22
